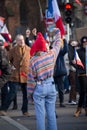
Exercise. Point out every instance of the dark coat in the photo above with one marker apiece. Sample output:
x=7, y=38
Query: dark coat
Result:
x=5, y=69
x=27, y=41
x=82, y=55
x=60, y=69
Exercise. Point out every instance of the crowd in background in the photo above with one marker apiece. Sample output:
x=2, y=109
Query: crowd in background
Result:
x=69, y=76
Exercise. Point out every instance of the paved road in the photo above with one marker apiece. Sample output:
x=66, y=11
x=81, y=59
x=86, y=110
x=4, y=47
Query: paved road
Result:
x=66, y=121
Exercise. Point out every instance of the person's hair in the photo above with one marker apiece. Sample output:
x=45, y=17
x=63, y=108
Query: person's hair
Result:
x=19, y=35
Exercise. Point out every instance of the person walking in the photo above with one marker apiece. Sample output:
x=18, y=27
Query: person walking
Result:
x=82, y=77
x=40, y=80
x=19, y=59
x=72, y=72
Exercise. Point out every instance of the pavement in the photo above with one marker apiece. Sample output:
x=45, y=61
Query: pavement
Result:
x=65, y=121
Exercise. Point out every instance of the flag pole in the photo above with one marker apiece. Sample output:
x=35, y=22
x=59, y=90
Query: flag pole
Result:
x=41, y=14
x=67, y=27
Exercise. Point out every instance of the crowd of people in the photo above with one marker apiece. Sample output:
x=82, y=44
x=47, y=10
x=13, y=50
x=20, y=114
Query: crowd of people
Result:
x=39, y=68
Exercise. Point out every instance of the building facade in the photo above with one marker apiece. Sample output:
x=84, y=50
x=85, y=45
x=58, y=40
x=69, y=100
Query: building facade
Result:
x=20, y=14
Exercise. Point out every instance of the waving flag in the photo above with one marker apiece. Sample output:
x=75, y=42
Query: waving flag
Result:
x=54, y=11
x=57, y=16
x=78, y=60
x=78, y=1
x=5, y=33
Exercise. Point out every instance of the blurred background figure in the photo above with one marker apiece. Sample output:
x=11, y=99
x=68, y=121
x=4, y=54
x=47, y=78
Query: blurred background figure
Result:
x=5, y=90
x=4, y=71
x=60, y=72
x=19, y=59
x=72, y=72
x=28, y=40
x=82, y=77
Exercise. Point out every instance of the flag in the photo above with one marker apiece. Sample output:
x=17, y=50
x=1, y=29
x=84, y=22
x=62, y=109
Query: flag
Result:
x=78, y=1
x=2, y=38
x=5, y=33
x=78, y=60
x=54, y=9
x=1, y=21
x=57, y=16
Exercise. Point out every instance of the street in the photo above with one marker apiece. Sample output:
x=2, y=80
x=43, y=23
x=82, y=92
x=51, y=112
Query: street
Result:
x=65, y=120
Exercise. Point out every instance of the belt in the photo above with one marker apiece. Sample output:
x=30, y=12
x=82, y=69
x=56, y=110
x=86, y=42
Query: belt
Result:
x=42, y=81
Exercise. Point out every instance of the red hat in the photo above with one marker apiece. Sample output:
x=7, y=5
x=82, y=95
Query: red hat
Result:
x=39, y=44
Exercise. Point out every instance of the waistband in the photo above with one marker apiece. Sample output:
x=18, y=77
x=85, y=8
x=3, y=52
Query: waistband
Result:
x=47, y=80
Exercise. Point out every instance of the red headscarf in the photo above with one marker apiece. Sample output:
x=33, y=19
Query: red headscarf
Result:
x=38, y=45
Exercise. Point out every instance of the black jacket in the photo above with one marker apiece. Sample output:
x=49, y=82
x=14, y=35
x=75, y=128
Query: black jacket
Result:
x=5, y=69
x=82, y=56
x=60, y=69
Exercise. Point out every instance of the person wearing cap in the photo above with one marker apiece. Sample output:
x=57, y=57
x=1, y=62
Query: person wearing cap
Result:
x=40, y=80
x=82, y=77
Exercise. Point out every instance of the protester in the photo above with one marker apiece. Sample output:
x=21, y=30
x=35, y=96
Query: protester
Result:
x=60, y=72
x=72, y=73
x=19, y=59
x=4, y=65
x=5, y=88
x=82, y=77
x=40, y=80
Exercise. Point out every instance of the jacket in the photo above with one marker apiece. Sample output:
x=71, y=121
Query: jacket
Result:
x=81, y=53
x=60, y=69
x=19, y=64
x=5, y=69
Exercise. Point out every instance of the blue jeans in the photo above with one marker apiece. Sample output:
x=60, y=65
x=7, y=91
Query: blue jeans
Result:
x=44, y=99
x=11, y=95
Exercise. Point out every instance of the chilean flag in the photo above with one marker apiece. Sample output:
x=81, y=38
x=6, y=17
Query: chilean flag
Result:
x=4, y=32
x=54, y=9
x=78, y=60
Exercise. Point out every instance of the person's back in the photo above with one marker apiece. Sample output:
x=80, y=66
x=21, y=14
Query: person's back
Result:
x=40, y=80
